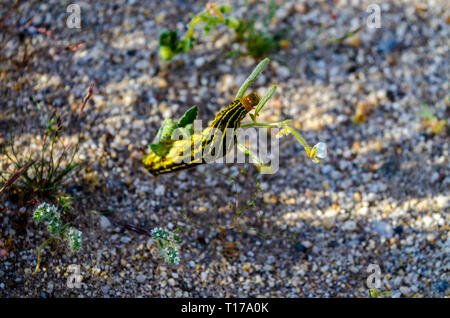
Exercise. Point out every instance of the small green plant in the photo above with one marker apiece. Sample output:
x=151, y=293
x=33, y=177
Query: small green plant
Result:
x=58, y=229
x=258, y=42
x=376, y=293
x=430, y=121
x=42, y=174
x=49, y=170
x=167, y=244
x=250, y=203
x=164, y=136
x=170, y=44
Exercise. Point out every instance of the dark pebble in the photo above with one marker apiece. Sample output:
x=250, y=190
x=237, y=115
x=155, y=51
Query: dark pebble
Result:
x=398, y=230
x=332, y=244
x=300, y=248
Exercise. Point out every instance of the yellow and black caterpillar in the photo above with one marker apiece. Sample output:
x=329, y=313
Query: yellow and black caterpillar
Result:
x=198, y=146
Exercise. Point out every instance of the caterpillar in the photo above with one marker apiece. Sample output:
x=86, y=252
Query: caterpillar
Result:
x=226, y=121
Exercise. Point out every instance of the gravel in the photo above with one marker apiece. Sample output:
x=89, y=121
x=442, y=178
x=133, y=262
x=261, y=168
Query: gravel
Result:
x=380, y=197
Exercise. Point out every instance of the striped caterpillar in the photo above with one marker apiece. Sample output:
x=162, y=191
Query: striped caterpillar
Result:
x=226, y=121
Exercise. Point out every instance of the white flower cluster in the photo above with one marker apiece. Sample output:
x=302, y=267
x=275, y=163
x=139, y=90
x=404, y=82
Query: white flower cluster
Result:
x=45, y=212
x=48, y=213
x=74, y=238
x=167, y=244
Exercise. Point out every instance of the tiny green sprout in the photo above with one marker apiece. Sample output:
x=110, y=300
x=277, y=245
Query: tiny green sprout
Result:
x=430, y=121
x=376, y=293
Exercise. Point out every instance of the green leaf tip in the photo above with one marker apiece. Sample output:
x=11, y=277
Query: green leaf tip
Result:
x=256, y=71
x=189, y=116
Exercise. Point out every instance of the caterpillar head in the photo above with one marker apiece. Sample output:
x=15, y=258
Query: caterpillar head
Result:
x=250, y=101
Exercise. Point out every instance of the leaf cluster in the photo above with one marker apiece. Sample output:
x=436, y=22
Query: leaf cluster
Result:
x=163, y=141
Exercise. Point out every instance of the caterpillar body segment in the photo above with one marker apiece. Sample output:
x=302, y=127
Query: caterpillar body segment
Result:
x=213, y=142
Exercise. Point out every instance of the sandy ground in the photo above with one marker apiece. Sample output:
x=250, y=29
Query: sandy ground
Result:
x=380, y=197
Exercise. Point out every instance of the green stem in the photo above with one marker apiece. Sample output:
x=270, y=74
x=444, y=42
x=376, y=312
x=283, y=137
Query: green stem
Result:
x=277, y=124
x=39, y=252
x=345, y=36
x=194, y=21
x=264, y=100
x=302, y=141
x=258, y=69
x=247, y=151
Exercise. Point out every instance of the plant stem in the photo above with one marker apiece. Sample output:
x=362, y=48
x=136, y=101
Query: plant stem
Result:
x=258, y=69
x=277, y=124
x=39, y=253
x=194, y=21
x=345, y=36
x=264, y=100
x=247, y=151
x=302, y=141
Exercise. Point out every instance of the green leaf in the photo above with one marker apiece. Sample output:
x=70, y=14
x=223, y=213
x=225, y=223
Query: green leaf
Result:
x=190, y=128
x=168, y=38
x=232, y=23
x=256, y=71
x=426, y=113
x=184, y=45
x=165, y=132
x=225, y=8
x=264, y=100
x=160, y=149
x=165, y=52
x=189, y=116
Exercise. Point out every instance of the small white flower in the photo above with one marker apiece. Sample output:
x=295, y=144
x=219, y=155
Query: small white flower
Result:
x=321, y=150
